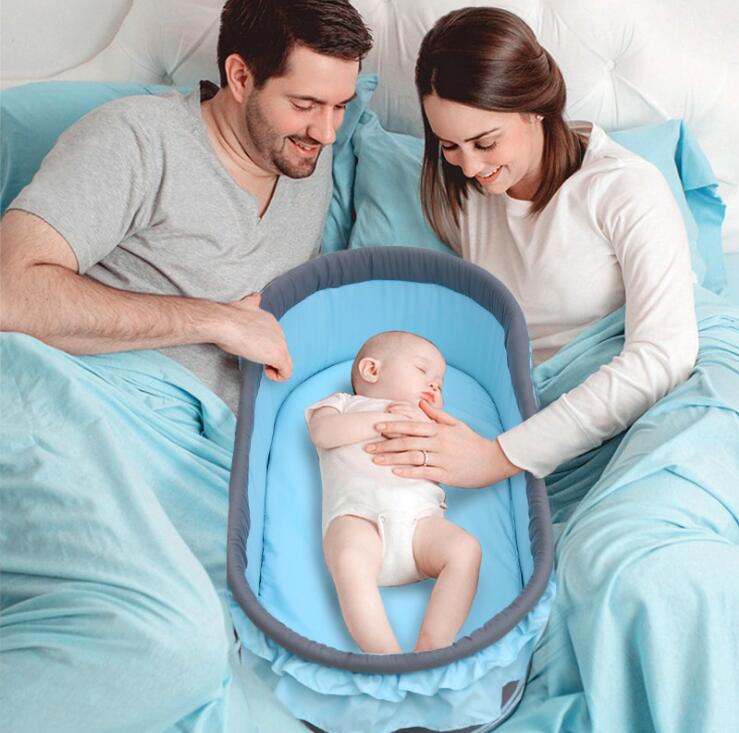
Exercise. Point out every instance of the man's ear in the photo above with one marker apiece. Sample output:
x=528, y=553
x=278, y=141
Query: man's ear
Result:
x=239, y=77
x=369, y=369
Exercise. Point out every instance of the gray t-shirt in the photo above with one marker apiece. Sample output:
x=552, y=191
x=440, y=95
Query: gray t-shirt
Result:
x=138, y=192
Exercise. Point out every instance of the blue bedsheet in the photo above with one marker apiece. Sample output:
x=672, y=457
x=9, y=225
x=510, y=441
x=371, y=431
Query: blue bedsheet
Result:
x=114, y=498
x=114, y=489
x=644, y=632
x=114, y=477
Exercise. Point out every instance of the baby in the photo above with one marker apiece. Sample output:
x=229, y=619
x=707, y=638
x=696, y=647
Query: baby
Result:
x=378, y=528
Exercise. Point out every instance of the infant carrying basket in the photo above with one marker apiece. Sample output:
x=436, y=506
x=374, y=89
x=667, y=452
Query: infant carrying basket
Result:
x=284, y=604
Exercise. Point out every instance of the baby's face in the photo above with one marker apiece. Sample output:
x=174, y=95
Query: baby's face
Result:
x=412, y=370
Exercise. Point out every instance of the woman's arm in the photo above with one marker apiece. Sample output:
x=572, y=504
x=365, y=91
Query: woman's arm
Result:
x=638, y=213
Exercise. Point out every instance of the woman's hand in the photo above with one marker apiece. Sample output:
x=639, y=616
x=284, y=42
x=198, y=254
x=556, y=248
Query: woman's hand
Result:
x=453, y=453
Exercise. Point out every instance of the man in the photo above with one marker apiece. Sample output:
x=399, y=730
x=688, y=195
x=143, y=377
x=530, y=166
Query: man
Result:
x=267, y=128
x=151, y=225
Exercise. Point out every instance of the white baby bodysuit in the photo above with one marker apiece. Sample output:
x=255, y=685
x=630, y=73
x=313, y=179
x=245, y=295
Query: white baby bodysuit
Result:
x=353, y=484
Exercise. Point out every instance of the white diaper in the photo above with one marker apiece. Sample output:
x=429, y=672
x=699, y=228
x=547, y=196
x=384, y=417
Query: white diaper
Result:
x=396, y=528
x=398, y=562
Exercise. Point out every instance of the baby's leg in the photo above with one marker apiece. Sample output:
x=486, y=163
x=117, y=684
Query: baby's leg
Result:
x=353, y=551
x=446, y=552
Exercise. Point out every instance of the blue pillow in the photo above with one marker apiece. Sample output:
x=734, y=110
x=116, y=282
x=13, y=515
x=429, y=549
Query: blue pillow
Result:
x=386, y=189
x=33, y=116
x=339, y=220
x=388, y=209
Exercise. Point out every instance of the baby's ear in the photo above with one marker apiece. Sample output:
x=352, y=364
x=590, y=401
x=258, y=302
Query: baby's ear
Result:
x=369, y=369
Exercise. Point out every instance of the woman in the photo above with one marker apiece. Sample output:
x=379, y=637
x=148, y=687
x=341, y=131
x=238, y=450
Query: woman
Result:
x=572, y=223
x=640, y=636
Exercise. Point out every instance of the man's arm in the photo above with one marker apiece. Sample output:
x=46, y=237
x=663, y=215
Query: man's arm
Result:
x=42, y=294
x=330, y=428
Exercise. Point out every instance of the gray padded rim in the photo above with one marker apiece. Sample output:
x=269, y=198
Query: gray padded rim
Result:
x=412, y=265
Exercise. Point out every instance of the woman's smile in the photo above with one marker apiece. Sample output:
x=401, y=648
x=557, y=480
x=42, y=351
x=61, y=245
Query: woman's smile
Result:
x=490, y=176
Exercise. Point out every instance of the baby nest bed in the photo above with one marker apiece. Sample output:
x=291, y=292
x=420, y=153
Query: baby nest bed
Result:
x=283, y=601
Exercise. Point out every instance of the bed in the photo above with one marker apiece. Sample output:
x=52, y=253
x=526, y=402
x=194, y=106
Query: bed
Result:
x=627, y=65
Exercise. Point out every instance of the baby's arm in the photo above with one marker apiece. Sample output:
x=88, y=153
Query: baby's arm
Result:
x=330, y=428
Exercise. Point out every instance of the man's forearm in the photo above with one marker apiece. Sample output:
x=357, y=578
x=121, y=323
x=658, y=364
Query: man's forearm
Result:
x=75, y=313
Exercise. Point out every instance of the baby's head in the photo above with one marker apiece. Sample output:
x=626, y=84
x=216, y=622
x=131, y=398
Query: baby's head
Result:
x=400, y=366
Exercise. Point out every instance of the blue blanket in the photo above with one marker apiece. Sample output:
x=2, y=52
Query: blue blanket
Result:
x=114, y=498
x=113, y=505
x=643, y=634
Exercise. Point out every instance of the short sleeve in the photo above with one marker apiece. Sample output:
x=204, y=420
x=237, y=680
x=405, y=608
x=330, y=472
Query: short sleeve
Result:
x=338, y=401
x=93, y=186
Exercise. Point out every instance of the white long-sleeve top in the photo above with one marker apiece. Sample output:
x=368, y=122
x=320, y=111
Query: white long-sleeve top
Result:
x=611, y=235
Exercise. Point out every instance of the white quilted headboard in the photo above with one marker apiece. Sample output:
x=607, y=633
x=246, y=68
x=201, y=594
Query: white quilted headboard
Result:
x=626, y=62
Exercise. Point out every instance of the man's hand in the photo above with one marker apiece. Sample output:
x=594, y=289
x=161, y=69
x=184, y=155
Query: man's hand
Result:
x=255, y=334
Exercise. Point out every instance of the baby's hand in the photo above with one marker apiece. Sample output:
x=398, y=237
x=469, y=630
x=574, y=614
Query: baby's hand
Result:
x=408, y=410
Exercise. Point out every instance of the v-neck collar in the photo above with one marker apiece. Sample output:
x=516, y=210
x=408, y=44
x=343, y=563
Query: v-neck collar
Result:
x=204, y=91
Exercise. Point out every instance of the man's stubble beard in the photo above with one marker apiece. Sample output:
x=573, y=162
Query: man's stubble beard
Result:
x=272, y=148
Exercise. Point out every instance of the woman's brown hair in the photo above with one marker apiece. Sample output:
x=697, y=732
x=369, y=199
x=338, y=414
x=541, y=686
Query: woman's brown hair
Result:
x=490, y=59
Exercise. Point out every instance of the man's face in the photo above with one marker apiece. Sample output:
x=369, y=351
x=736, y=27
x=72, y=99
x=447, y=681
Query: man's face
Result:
x=291, y=118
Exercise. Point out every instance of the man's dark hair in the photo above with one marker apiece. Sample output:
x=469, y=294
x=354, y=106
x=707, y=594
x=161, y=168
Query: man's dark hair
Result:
x=264, y=32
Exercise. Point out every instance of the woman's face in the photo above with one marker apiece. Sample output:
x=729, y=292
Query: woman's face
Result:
x=502, y=151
